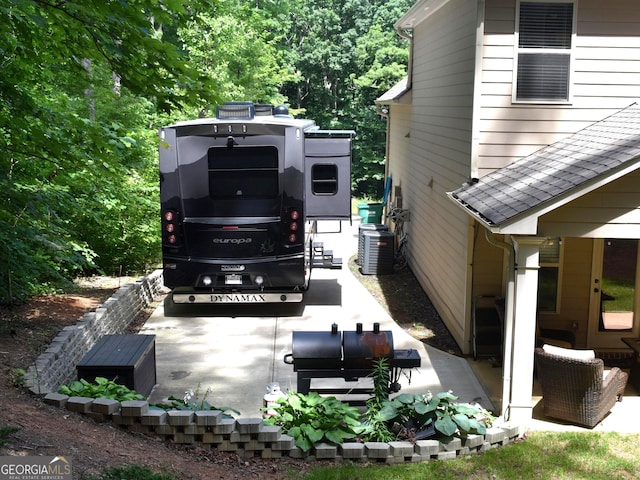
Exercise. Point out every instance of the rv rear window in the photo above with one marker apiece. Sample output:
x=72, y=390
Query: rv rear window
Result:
x=243, y=172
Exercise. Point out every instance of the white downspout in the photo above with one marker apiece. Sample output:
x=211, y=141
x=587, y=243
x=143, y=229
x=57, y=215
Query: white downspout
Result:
x=403, y=33
x=508, y=323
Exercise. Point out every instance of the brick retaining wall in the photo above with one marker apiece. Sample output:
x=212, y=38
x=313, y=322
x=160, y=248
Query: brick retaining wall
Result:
x=57, y=365
x=250, y=437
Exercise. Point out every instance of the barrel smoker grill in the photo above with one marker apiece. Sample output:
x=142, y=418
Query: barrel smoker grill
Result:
x=350, y=356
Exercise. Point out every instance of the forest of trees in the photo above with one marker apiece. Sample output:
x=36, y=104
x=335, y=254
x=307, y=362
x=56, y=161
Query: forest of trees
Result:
x=86, y=85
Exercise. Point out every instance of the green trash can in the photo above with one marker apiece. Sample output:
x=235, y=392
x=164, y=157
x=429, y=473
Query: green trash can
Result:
x=370, y=212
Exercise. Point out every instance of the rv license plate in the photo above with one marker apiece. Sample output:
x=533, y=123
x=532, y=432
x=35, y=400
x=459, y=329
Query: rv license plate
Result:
x=233, y=279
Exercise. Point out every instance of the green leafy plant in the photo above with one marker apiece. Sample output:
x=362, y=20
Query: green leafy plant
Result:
x=17, y=376
x=375, y=419
x=311, y=419
x=102, y=388
x=380, y=376
x=5, y=433
x=419, y=413
x=193, y=400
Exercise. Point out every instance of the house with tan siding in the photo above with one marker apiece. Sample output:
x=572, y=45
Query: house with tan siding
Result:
x=514, y=142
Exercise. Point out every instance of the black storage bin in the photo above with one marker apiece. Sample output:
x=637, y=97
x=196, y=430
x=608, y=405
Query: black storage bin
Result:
x=128, y=360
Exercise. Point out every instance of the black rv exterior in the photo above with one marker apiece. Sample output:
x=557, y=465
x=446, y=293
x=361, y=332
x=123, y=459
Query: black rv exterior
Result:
x=240, y=194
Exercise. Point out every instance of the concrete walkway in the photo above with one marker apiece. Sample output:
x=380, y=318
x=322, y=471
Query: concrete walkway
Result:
x=236, y=352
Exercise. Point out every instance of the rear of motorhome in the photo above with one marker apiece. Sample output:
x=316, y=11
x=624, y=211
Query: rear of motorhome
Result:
x=241, y=195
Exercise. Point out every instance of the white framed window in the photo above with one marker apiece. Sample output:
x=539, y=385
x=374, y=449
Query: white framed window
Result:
x=550, y=275
x=544, y=40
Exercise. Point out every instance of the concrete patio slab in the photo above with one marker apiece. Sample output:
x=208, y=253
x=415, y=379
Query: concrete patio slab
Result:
x=236, y=352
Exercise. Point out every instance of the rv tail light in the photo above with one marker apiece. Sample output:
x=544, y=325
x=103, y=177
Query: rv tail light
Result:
x=292, y=238
x=295, y=215
x=170, y=227
x=293, y=226
x=171, y=239
x=168, y=216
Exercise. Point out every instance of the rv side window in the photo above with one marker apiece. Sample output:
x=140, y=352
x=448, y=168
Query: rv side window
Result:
x=243, y=172
x=324, y=179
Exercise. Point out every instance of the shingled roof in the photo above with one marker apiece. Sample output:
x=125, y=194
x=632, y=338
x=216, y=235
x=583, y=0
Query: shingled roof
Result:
x=546, y=177
x=395, y=92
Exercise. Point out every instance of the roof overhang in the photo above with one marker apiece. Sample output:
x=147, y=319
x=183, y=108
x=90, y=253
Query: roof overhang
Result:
x=399, y=93
x=526, y=223
x=511, y=200
x=418, y=13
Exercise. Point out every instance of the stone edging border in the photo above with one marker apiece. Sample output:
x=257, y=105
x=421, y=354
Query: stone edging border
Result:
x=250, y=437
x=57, y=365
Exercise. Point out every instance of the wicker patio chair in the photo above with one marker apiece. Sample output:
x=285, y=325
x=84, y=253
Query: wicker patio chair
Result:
x=577, y=390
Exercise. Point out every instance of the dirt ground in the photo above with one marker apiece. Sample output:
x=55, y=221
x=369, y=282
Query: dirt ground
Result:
x=27, y=330
x=402, y=296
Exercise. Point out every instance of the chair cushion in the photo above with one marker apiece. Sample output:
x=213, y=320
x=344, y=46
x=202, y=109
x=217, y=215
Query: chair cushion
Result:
x=569, y=352
x=554, y=342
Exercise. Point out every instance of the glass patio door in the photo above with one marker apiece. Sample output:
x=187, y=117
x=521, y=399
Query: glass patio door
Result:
x=615, y=299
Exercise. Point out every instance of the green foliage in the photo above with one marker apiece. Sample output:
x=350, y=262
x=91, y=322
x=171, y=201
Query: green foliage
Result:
x=81, y=96
x=380, y=377
x=16, y=375
x=102, y=388
x=132, y=472
x=194, y=401
x=375, y=418
x=418, y=412
x=235, y=44
x=311, y=419
x=126, y=37
x=346, y=55
x=408, y=415
x=86, y=85
x=5, y=434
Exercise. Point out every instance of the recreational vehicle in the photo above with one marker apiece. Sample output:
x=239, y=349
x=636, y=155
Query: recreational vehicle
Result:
x=241, y=196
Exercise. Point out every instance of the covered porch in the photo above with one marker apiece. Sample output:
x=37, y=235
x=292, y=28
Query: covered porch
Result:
x=618, y=420
x=567, y=215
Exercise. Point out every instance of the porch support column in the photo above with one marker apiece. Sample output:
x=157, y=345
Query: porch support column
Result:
x=527, y=251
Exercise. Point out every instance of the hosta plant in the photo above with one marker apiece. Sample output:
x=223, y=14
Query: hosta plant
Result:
x=441, y=413
x=194, y=400
x=311, y=419
x=102, y=388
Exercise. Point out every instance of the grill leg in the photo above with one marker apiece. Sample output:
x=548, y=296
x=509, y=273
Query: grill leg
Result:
x=304, y=384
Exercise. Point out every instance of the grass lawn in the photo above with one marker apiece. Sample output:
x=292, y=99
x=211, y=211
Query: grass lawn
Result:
x=542, y=455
